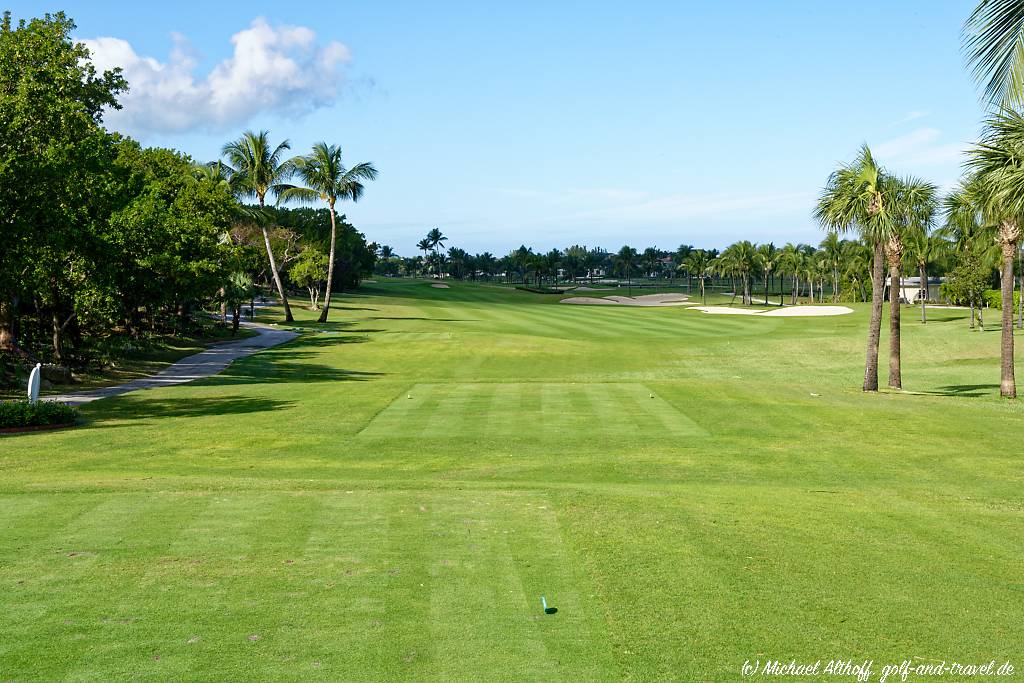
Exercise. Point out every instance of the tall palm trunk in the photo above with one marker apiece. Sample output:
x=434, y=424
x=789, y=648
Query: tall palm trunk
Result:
x=1020, y=295
x=875, y=325
x=895, y=249
x=922, y=276
x=273, y=271
x=330, y=268
x=835, y=285
x=1009, y=237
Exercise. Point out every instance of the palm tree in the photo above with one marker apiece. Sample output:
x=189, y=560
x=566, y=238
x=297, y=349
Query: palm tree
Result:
x=767, y=258
x=237, y=291
x=486, y=263
x=999, y=166
x=257, y=168
x=744, y=256
x=727, y=264
x=832, y=251
x=924, y=249
x=625, y=259
x=912, y=208
x=993, y=38
x=810, y=274
x=791, y=261
x=436, y=239
x=424, y=246
x=697, y=263
x=858, y=196
x=650, y=260
x=328, y=180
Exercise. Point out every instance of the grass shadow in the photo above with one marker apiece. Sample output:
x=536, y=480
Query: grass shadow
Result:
x=159, y=408
x=965, y=390
x=287, y=372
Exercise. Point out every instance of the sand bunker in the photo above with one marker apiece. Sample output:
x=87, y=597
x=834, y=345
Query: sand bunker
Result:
x=787, y=312
x=800, y=311
x=725, y=310
x=438, y=285
x=587, y=301
x=643, y=300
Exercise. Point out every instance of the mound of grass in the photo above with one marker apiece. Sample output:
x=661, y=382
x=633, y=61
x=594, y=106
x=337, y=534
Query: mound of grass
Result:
x=14, y=414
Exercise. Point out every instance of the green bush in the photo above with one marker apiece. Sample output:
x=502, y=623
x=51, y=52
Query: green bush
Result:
x=25, y=414
x=994, y=299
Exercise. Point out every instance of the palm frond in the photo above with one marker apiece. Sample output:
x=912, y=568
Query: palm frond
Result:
x=993, y=38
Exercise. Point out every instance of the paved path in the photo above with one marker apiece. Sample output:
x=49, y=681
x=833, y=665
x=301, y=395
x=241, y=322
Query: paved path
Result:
x=203, y=364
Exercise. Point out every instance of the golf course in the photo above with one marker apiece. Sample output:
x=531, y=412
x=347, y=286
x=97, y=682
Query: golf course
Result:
x=390, y=495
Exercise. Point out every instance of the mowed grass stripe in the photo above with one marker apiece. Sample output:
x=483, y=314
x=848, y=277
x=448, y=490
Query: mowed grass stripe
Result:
x=528, y=410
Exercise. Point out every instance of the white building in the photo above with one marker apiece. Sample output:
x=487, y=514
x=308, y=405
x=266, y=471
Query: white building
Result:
x=912, y=292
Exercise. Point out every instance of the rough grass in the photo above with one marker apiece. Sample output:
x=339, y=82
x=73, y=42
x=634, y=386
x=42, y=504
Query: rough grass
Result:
x=299, y=517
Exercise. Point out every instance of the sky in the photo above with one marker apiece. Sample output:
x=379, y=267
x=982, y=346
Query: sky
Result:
x=556, y=123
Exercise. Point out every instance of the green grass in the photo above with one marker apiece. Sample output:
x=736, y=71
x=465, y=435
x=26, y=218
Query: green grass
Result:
x=667, y=479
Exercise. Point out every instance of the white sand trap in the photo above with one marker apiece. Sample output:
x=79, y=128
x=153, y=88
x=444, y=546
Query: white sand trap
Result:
x=662, y=297
x=800, y=311
x=725, y=310
x=438, y=285
x=787, y=312
x=644, y=300
x=587, y=301
x=594, y=289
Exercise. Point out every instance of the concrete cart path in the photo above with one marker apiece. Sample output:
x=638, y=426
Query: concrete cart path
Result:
x=203, y=364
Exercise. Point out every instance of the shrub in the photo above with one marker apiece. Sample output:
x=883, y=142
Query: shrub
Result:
x=994, y=299
x=41, y=413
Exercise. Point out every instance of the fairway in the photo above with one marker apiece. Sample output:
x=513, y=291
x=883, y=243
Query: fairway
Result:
x=389, y=496
x=541, y=410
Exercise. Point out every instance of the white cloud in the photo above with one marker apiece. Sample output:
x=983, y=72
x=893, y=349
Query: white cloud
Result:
x=906, y=145
x=911, y=116
x=922, y=151
x=271, y=69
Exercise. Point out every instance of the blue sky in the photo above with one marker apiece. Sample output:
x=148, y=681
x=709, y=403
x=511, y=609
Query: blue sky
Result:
x=648, y=123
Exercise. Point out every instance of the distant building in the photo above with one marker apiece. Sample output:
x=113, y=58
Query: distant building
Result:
x=912, y=292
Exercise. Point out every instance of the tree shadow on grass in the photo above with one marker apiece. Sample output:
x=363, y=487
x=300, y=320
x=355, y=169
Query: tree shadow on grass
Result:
x=285, y=372
x=965, y=390
x=159, y=408
x=439, y=320
x=320, y=341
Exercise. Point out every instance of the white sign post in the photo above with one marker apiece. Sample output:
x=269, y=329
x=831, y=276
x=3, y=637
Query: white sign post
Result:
x=33, y=383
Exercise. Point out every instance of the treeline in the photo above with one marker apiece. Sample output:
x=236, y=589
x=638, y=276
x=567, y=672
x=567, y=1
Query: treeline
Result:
x=837, y=269
x=102, y=237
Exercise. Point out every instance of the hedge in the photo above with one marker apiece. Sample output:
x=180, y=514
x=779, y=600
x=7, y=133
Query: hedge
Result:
x=994, y=298
x=39, y=414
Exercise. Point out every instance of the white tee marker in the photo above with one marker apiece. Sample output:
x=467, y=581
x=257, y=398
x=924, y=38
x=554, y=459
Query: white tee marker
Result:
x=33, y=384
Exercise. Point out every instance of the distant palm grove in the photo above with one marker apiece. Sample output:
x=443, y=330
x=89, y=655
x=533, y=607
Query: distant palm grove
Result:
x=106, y=241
